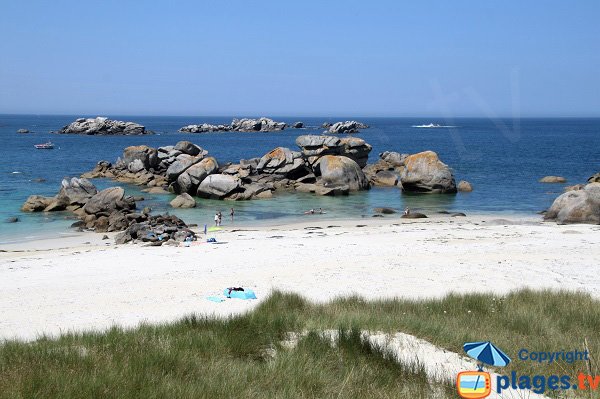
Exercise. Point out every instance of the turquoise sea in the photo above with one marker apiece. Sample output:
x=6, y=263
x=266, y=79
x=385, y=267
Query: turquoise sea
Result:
x=503, y=159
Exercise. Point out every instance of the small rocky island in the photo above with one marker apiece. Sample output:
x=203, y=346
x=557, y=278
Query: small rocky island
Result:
x=238, y=125
x=269, y=125
x=103, y=126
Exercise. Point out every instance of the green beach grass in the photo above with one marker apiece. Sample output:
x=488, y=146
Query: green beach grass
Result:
x=244, y=357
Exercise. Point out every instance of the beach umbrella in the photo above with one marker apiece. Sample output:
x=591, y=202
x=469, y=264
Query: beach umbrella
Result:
x=487, y=353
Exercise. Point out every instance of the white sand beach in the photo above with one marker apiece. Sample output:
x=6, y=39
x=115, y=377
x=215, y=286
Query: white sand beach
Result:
x=83, y=282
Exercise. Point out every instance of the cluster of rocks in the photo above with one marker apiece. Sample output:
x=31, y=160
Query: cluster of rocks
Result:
x=344, y=127
x=105, y=211
x=422, y=173
x=324, y=165
x=239, y=125
x=580, y=204
x=157, y=230
x=103, y=126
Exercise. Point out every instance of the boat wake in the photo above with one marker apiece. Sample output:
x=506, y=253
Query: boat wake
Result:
x=433, y=126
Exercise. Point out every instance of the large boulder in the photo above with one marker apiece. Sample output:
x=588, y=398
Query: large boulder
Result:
x=464, y=186
x=578, y=206
x=183, y=201
x=283, y=161
x=77, y=190
x=108, y=201
x=189, y=148
x=218, y=186
x=425, y=173
x=336, y=170
x=36, y=203
x=103, y=126
x=181, y=164
x=199, y=171
x=144, y=155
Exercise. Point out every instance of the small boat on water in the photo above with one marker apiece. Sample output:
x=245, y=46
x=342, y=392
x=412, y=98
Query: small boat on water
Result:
x=44, y=146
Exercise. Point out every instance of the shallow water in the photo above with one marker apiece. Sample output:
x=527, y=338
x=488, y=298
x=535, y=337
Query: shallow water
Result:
x=502, y=160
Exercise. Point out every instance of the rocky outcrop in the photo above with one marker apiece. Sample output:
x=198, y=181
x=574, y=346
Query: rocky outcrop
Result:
x=77, y=191
x=553, y=179
x=183, y=201
x=346, y=127
x=297, y=125
x=36, y=203
x=335, y=170
x=424, y=172
x=315, y=146
x=218, y=186
x=238, y=125
x=594, y=178
x=23, y=131
x=108, y=201
x=109, y=210
x=577, y=206
x=103, y=126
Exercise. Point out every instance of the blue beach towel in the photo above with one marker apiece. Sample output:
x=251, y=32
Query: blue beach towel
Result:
x=245, y=294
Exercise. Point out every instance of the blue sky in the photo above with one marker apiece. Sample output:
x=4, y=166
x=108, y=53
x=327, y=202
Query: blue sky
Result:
x=356, y=58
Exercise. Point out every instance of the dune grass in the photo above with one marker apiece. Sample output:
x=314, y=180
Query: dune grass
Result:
x=244, y=356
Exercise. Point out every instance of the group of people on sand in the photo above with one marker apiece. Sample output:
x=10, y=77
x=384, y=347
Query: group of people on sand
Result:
x=219, y=217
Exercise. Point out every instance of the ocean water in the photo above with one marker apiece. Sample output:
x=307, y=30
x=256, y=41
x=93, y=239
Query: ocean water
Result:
x=502, y=159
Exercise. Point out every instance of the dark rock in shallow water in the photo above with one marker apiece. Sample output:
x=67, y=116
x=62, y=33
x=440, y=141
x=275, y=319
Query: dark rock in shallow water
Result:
x=298, y=125
x=455, y=214
x=414, y=215
x=38, y=180
x=78, y=225
x=103, y=126
x=386, y=211
x=12, y=219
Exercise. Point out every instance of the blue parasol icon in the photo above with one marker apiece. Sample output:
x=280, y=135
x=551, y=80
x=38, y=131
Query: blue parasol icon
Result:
x=487, y=353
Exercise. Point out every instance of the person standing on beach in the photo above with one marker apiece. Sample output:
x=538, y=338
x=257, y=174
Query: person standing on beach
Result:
x=220, y=218
x=217, y=219
x=231, y=213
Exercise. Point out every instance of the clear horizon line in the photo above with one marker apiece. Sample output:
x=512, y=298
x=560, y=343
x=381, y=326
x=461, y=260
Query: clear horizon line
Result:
x=242, y=115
